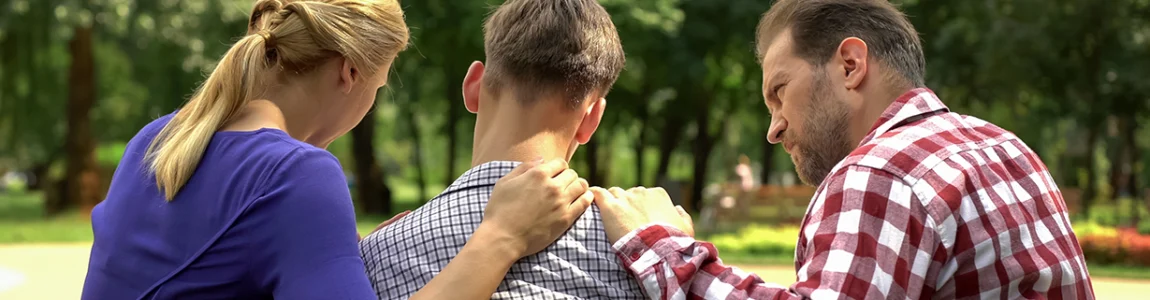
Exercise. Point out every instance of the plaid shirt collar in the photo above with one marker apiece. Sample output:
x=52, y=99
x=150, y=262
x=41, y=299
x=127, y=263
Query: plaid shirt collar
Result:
x=911, y=106
x=485, y=174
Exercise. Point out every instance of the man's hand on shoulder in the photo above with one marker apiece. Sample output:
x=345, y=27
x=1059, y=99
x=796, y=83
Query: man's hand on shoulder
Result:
x=627, y=210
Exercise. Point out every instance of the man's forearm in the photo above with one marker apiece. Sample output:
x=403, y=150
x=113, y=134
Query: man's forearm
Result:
x=669, y=264
x=475, y=273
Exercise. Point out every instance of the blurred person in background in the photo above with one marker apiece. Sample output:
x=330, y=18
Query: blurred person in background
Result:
x=913, y=202
x=234, y=196
x=743, y=169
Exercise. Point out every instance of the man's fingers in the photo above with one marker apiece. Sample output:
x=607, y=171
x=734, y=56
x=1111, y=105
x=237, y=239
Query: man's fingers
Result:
x=639, y=190
x=660, y=193
x=550, y=168
x=619, y=193
x=689, y=223
x=523, y=167
x=683, y=213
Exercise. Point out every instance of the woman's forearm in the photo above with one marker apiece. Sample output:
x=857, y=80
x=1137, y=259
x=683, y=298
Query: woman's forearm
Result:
x=477, y=270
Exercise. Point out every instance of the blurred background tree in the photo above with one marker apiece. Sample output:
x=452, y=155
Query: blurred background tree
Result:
x=79, y=77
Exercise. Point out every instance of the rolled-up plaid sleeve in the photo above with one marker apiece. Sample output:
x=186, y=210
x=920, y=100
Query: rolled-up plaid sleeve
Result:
x=866, y=236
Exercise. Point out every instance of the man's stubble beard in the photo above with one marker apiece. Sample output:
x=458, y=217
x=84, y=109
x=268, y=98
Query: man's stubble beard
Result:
x=825, y=142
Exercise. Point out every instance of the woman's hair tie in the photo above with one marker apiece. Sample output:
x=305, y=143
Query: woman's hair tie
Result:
x=269, y=39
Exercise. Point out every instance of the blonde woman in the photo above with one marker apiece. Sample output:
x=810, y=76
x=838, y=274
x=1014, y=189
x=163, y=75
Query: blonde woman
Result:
x=234, y=196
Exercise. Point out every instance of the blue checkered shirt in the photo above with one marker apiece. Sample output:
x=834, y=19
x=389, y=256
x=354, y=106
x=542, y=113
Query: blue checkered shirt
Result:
x=404, y=256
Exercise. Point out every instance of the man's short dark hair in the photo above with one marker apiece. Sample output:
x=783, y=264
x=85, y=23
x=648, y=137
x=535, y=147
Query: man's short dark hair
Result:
x=819, y=26
x=563, y=47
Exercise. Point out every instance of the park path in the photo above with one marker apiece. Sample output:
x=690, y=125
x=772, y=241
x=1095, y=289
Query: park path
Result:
x=56, y=271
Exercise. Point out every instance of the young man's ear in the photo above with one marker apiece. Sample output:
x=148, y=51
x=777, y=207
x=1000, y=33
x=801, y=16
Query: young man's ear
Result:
x=591, y=119
x=347, y=76
x=472, y=84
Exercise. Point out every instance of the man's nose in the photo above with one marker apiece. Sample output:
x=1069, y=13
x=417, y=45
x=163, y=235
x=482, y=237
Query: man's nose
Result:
x=775, y=133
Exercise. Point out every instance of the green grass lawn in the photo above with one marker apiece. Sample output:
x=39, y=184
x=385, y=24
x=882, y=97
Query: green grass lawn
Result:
x=1096, y=270
x=22, y=221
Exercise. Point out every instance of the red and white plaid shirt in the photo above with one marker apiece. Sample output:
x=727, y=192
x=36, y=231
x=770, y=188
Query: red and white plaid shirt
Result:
x=932, y=204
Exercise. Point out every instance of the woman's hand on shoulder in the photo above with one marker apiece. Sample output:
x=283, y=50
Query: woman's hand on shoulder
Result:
x=535, y=204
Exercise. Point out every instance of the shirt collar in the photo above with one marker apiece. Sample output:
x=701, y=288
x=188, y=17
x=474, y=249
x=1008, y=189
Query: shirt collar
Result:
x=486, y=174
x=913, y=104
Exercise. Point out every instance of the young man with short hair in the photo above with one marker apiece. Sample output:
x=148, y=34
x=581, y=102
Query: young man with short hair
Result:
x=541, y=94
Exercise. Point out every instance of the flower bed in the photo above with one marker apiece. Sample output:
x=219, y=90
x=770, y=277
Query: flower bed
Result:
x=1124, y=247
x=1102, y=245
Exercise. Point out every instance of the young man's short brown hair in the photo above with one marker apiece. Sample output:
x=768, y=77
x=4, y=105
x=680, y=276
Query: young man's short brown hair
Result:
x=560, y=47
x=818, y=26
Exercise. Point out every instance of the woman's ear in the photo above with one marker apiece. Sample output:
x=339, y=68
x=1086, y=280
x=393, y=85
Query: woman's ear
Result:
x=472, y=86
x=348, y=76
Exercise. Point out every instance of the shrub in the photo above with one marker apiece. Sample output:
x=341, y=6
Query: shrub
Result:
x=1127, y=247
x=1100, y=244
x=1144, y=227
x=1093, y=228
x=758, y=240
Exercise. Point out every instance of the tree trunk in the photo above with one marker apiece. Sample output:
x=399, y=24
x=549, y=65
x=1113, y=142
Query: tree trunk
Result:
x=1088, y=191
x=413, y=130
x=454, y=92
x=1124, y=184
x=1126, y=180
x=39, y=178
x=372, y=191
x=592, y=157
x=668, y=141
x=1116, y=155
x=704, y=143
x=768, y=160
x=639, y=144
x=81, y=180
x=1135, y=160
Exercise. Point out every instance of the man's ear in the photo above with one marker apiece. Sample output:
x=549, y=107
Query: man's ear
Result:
x=852, y=55
x=348, y=76
x=591, y=119
x=472, y=85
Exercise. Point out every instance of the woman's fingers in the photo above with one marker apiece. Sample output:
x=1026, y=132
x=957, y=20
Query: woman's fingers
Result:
x=577, y=208
x=575, y=188
x=549, y=169
x=567, y=178
x=602, y=196
x=524, y=167
x=392, y=220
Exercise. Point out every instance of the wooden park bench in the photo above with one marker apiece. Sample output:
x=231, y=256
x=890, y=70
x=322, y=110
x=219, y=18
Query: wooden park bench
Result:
x=767, y=204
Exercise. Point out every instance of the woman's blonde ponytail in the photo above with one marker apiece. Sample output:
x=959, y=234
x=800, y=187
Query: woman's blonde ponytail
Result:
x=283, y=36
x=176, y=152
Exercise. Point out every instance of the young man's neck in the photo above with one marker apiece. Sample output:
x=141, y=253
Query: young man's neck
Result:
x=505, y=130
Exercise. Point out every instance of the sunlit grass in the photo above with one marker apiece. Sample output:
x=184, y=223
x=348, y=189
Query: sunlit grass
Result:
x=22, y=220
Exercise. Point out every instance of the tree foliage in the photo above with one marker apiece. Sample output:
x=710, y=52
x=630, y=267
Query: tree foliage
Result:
x=1068, y=76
